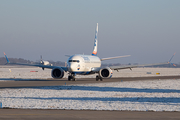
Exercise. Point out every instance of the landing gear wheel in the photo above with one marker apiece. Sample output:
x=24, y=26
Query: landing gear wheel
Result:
x=97, y=78
x=74, y=79
x=69, y=78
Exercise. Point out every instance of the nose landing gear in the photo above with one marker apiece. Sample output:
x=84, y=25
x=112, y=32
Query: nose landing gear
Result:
x=71, y=77
x=99, y=78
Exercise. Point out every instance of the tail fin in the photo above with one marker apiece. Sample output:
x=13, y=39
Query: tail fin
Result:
x=6, y=58
x=95, y=42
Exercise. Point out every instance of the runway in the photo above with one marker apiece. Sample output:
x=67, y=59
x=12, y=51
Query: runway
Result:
x=79, y=114
x=22, y=83
x=28, y=114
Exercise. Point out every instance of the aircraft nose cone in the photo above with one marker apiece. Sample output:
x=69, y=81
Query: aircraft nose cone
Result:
x=71, y=67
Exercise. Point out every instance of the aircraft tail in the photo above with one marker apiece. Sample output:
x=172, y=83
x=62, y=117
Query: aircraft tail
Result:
x=95, y=42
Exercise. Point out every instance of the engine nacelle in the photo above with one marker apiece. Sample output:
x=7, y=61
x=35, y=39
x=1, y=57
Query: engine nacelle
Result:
x=105, y=73
x=57, y=73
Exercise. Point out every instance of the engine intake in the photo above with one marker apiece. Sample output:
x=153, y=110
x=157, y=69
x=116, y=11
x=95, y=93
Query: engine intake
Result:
x=57, y=73
x=105, y=73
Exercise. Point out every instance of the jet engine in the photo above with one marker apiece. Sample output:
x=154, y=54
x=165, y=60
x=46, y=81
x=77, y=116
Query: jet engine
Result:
x=57, y=73
x=105, y=73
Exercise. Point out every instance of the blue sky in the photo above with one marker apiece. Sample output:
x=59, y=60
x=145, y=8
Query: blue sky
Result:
x=148, y=30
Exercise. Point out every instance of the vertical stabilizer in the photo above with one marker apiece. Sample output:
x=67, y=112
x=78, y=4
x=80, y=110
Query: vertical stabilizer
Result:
x=95, y=42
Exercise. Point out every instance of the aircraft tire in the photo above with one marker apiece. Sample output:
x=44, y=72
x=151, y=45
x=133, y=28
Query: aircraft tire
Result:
x=97, y=78
x=74, y=79
x=69, y=78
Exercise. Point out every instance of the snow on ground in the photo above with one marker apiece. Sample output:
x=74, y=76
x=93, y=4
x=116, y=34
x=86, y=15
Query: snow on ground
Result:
x=151, y=95
x=43, y=74
x=28, y=73
x=155, y=95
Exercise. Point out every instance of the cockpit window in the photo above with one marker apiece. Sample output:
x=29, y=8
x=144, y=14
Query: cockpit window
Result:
x=74, y=61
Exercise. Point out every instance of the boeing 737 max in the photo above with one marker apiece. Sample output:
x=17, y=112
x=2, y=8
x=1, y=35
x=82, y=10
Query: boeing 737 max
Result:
x=84, y=65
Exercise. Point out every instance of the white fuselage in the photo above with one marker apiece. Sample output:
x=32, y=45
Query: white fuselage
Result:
x=83, y=64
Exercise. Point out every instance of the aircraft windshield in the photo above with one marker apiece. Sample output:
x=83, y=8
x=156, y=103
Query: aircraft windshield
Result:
x=74, y=61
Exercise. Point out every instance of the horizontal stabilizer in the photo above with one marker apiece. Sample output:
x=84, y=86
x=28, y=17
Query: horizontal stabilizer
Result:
x=68, y=55
x=114, y=57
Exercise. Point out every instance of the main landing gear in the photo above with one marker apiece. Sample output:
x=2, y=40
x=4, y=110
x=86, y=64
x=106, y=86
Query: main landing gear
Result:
x=71, y=77
x=99, y=78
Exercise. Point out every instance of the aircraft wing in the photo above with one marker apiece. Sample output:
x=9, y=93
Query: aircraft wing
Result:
x=143, y=65
x=39, y=65
x=36, y=65
x=134, y=66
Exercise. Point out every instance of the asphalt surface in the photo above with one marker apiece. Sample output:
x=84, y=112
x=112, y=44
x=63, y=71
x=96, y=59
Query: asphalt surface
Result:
x=20, y=114
x=27, y=114
x=21, y=83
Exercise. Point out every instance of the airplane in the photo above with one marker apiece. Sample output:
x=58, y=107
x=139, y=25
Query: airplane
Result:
x=80, y=64
x=43, y=62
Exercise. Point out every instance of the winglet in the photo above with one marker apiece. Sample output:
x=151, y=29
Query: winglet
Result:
x=6, y=58
x=95, y=42
x=172, y=57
